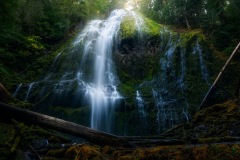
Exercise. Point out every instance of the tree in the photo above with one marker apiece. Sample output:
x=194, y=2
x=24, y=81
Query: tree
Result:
x=177, y=12
x=9, y=22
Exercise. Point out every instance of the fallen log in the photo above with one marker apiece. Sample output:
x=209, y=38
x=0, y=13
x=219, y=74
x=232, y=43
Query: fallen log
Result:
x=91, y=135
x=94, y=136
x=161, y=142
x=218, y=77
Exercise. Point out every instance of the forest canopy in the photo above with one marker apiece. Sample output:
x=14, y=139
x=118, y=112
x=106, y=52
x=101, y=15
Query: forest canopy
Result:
x=219, y=18
x=34, y=25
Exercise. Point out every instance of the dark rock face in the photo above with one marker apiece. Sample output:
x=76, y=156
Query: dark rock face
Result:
x=137, y=62
x=39, y=143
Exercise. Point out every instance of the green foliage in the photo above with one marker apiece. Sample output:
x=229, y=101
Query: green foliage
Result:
x=191, y=37
x=177, y=12
x=30, y=29
x=34, y=44
x=48, y=20
x=151, y=27
x=67, y=111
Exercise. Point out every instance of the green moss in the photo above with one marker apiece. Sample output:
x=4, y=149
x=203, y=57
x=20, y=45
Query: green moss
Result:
x=68, y=111
x=128, y=28
x=34, y=43
x=9, y=140
x=29, y=133
x=32, y=66
x=21, y=104
x=229, y=109
x=7, y=135
x=191, y=37
x=151, y=28
x=128, y=88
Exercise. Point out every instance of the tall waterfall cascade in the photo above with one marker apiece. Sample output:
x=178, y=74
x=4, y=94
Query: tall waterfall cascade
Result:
x=102, y=92
x=70, y=77
x=83, y=83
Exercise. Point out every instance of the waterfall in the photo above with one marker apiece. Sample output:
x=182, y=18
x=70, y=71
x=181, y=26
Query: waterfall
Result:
x=183, y=69
x=139, y=23
x=140, y=105
x=142, y=115
x=84, y=74
x=102, y=92
x=83, y=79
x=17, y=90
x=29, y=90
x=201, y=62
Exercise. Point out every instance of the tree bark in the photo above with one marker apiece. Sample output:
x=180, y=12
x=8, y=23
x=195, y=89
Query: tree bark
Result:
x=187, y=22
x=219, y=75
x=5, y=96
x=94, y=136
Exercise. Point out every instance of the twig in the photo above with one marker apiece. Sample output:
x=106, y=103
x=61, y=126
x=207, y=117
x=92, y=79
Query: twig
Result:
x=35, y=152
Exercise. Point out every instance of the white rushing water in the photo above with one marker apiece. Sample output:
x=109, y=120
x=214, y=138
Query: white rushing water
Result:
x=203, y=67
x=17, y=90
x=29, y=90
x=139, y=23
x=98, y=37
x=140, y=105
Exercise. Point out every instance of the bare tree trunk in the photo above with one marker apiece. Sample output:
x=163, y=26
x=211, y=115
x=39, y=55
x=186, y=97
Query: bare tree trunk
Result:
x=187, y=22
x=219, y=75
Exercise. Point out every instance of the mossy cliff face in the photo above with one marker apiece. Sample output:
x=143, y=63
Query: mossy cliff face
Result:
x=172, y=71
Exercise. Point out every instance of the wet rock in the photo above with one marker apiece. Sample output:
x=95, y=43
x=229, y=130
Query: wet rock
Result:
x=120, y=105
x=39, y=143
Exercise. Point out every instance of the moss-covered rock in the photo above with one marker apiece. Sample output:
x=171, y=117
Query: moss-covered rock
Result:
x=218, y=120
x=129, y=27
